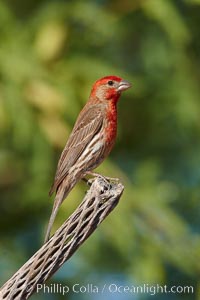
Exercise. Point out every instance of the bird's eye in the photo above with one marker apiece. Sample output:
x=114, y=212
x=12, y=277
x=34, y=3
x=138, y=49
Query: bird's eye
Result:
x=110, y=82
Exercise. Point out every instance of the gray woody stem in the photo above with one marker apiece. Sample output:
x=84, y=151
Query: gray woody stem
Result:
x=99, y=201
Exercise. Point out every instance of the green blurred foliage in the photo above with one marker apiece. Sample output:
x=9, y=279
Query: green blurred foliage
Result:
x=51, y=52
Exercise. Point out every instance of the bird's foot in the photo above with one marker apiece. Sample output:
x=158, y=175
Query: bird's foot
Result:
x=105, y=178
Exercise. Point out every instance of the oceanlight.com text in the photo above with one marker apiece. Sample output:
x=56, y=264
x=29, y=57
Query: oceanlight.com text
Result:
x=113, y=288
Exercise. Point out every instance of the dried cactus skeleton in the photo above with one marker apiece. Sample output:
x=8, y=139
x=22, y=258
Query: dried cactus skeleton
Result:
x=99, y=201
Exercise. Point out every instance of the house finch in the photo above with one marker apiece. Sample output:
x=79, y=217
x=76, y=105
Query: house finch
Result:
x=90, y=141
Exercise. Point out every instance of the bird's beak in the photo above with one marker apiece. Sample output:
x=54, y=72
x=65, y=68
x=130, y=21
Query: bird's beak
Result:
x=123, y=85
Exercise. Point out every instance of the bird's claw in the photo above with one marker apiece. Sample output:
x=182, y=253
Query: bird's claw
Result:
x=107, y=180
x=90, y=181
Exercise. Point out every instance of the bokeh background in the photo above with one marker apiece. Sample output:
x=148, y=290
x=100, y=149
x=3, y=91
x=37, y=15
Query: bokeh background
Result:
x=51, y=52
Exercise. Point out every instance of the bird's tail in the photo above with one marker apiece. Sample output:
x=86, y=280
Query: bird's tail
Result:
x=61, y=194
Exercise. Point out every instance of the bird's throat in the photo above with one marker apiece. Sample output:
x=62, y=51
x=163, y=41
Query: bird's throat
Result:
x=111, y=128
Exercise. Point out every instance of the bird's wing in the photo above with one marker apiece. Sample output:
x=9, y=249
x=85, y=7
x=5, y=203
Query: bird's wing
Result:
x=89, y=122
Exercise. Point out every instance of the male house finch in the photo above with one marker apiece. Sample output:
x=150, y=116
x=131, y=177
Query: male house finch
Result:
x=90, y=141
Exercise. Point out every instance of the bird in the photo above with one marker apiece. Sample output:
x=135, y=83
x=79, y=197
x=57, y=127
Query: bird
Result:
x=91, y=140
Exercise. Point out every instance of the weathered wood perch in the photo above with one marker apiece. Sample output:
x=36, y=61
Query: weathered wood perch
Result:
x=99, y=201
